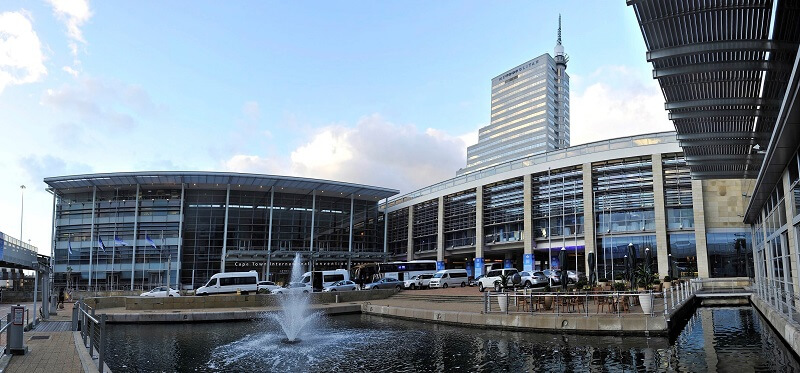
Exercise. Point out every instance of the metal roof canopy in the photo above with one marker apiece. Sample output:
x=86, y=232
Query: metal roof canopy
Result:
x=198, y=179
x=782, y=147
x=723, y=75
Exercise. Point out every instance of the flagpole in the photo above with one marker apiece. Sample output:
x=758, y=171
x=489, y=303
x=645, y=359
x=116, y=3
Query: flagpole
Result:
x=144, y=256
x=114, y=246
x=97, y=263
x=161, y=260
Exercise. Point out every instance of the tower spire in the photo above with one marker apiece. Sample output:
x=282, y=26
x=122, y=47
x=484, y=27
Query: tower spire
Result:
x=559, y=29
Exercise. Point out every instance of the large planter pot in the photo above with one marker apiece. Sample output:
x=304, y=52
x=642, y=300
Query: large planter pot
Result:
x=646, y=300
x=548, y=302
x=502, y=301
x=602, y=283
x=667, y=284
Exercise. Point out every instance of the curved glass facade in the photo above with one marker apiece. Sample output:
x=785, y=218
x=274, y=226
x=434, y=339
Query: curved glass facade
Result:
x=118, y=235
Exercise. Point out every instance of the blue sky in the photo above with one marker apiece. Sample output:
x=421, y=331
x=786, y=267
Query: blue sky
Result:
x=381, y=93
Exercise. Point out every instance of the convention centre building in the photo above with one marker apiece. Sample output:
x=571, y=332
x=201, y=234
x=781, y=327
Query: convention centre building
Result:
x=134, y=230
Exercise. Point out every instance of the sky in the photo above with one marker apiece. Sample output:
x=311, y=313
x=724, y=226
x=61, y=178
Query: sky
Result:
x=385, y=93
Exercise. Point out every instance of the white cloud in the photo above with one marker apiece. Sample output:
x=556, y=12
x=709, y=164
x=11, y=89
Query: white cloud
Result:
x=70, y=71
x=74, y=14
x=616, y=101
x=375, y=152
x=103, y=102
x=21, y=58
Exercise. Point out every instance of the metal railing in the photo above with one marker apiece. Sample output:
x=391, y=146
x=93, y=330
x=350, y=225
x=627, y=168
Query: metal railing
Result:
x=662, y=302
x=716, y=285
x=784, y=302
x=3, y=330
x=93, y=331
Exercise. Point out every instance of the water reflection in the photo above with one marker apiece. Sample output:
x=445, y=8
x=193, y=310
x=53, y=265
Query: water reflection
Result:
x=721, y=339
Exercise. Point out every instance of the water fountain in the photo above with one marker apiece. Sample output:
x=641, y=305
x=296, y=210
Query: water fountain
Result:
x=295, y=315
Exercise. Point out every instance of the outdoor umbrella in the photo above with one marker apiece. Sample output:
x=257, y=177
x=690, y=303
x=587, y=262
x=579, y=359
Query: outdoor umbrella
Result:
x=648, y=258
x=591, y=269
x=562, y=258
x=626, y=274
x=632, y=261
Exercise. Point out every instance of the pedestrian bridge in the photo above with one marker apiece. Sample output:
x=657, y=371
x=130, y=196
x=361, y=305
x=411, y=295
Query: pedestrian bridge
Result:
x=16, y=254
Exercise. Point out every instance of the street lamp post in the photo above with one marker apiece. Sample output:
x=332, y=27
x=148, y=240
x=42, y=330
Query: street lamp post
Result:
x=21, y=209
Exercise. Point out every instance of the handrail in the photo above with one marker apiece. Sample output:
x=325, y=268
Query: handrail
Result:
x=93, y=329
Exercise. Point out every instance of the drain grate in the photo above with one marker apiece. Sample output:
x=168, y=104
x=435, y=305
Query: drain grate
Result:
x=40, y=337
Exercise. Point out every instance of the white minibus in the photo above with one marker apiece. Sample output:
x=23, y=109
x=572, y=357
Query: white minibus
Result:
x=448, y=278
x=230, y=282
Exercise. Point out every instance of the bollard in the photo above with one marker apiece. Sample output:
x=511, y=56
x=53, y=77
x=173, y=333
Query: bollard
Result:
x=74, y=318
x=665, y=302
x=337, y=298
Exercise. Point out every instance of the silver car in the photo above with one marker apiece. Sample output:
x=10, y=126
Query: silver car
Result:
x=532, y=279
x=384, y=283
x=294, y=288
x=343, y=285
x=161, y=291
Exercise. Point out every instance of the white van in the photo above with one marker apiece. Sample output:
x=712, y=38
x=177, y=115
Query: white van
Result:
x=230, y=282
x=323, y=279
x=449, y=277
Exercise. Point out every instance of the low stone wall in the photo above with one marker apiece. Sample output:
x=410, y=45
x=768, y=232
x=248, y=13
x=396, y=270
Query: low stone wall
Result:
x=573, y=323
x=724, y=301
x=188, y=316
x=105, y=302
x=786, y=329
x=229, y=301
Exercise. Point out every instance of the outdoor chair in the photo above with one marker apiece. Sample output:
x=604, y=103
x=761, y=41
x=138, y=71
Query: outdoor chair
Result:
x=622, y=304
x=579, y=302
x=604, y=303
x=564, y=302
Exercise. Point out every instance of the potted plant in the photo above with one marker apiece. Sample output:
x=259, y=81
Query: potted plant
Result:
x=657, y=284
x=667, y=282
x=548, y=299
x=645, y=278
x=502, y=297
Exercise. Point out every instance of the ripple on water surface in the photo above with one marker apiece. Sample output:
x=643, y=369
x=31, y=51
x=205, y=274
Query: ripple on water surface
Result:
x=721, y=339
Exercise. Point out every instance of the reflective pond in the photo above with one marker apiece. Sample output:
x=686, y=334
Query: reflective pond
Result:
x=721, y=339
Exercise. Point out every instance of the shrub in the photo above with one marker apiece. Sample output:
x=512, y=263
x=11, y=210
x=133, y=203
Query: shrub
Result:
x=667, y=279
x=602, y=279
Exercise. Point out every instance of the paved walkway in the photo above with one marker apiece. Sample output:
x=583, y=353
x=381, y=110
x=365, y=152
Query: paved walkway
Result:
x=51, y=351
x=48, y=352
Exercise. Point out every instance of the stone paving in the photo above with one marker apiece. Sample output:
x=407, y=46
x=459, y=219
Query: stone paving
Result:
x=57, y=353
x=48, y=352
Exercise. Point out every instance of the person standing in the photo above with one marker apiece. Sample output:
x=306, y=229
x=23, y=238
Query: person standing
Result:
x=60, y=304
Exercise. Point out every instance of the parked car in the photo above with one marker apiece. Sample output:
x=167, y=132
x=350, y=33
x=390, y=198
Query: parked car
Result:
x=492, y=279
x=474, y=281
x=575, y=276
x=160, y=291
x=554, y=276
x=532, y=279
x=418, y=282
x=294, y=288
x=384, y=283
x=267, y=286
x=449, y=277
x=343, y=285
